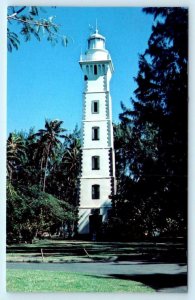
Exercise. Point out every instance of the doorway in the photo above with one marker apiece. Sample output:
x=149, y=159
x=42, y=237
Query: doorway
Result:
x=95, y=224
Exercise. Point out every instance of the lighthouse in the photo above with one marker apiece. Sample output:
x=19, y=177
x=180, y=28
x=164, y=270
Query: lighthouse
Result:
x=97, y=178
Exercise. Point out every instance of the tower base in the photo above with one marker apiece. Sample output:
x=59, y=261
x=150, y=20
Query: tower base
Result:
x=91, y=220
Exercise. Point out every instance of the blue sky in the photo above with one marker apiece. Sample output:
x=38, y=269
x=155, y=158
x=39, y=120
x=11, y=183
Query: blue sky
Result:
x=46, y=81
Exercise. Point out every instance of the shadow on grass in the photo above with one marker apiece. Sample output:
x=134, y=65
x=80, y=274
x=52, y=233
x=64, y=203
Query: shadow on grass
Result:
x=147, y=252
x=155, y=281
x=149, y=262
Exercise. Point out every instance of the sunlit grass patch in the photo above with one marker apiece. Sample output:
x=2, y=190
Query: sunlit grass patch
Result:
x=48, y=281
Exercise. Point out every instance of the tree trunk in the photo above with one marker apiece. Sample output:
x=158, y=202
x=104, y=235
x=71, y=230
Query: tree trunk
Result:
x=46, y=166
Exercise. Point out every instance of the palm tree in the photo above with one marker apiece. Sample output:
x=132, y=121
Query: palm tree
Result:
x=64, y=172
x=15, y=153
x=49, y=141
x=71, y=155
x=71, y=163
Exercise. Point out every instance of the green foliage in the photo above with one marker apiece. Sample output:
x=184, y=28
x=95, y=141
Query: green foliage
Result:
x=67, y=167
x=15, y=211
x=15, y=154
x=48, y=140
x=151, y=141
x=31, y=24
x=42, y=181
x=12, y=40
x=31, y=212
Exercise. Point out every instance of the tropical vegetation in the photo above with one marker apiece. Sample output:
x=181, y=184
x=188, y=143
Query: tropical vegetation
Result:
x=150, y=148
x=151, y=139
x=42, y=187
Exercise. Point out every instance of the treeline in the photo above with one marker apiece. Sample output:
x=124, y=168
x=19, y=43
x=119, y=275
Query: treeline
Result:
x=42, y=185
x=150, y=148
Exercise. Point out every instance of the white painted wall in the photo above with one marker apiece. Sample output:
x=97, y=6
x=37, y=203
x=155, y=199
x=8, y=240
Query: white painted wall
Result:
x=86, y=194
x=87, y=112
x=83, y=223
x=96, y=87
x=103, y=142
x=87, y=163
x=84, y=214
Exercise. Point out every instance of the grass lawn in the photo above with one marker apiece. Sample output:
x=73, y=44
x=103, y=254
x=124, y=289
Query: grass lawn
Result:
x=73, y=251
x=48, y=281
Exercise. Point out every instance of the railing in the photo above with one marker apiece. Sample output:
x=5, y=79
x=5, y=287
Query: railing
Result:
x=88, y=57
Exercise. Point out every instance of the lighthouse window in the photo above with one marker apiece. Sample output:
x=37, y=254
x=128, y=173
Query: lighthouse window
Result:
x=95, y=69
x=95, y=191
x=95, y=107
x=95, y=133
x=95, y=162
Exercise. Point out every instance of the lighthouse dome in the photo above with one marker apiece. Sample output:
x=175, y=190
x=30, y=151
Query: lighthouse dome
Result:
x=96, y=48
x=96, y=41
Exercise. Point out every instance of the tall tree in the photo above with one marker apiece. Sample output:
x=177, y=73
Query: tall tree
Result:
x=52, y=157
x=49, y=140
x=158, y=122
x=63, y=180
x=15, y=154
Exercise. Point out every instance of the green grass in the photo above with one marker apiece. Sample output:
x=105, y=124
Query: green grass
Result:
x=48, y=281
x=49, y=258
x=86, y=251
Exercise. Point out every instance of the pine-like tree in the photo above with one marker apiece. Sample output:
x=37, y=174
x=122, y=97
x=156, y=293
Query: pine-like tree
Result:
x=158, y=124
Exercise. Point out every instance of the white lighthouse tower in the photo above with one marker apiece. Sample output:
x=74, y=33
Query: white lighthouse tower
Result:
x=97, y=180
